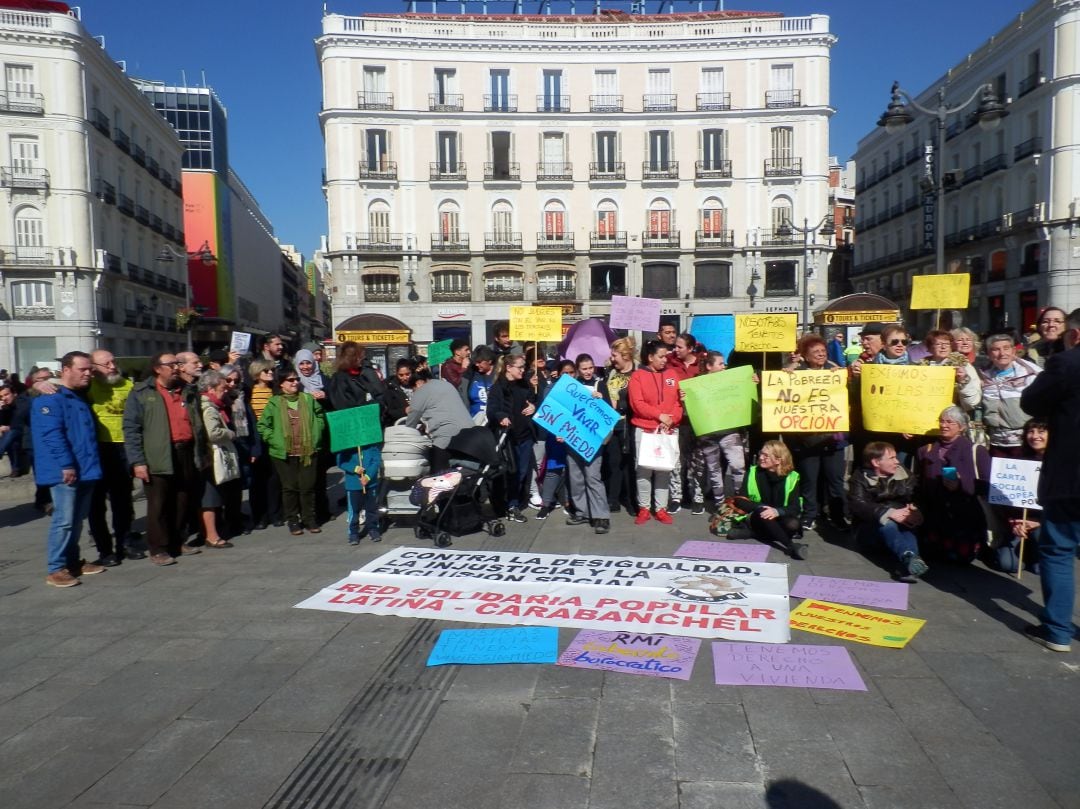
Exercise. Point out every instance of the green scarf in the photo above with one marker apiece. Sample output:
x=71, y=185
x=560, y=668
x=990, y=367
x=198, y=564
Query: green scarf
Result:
x=307, y=445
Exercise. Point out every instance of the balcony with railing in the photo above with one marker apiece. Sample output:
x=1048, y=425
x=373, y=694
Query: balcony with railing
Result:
x=604, y=293
x=502, y=243
x=781, y=237
x=450, y=294
x=178, y=188
x=954, y=129
x=446, y=102
x=456, y=244
x=168, y=232
x=783, y=167
x=552, y=103
x=500, y=103
x=22, y=103
x=113, y=263
x=153, y=168
x=995, y=163
x=26, y=256
x=613, y=240
x=366, y=100
x=125, y=204
x=554, y=172
x=121, y=139
x=660, y=102
x=714, y=101
x=502, y=172
x=1027, y=148
x=659, y=170
x=166, y=179
x=131, y=317
x=142, y=216
x=557, y=292
x=382, y=293
x=712, y=289
x=378, y=243
x=782, y=99
x=100, y=122
x=35, y=312
x=504, y=293
x=660, y=240
x=607, y=171
x=912, y=155
x=105, y=191
x=1029, y=83
x=24, y=177
x=138, y=154
x=447, y=172
x=714, y=239
x=659, y=289
x=552, y=243
x=712, y=169
x=382, y=170
x=605, y=103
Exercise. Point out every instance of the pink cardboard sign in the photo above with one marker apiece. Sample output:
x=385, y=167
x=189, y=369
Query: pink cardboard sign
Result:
x=636, y=314
x=785, y=665
x=889, y=595
x=723, y=551
x=630, y=653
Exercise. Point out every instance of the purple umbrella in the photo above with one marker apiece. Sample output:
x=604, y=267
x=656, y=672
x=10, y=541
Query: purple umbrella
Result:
x=592, y=337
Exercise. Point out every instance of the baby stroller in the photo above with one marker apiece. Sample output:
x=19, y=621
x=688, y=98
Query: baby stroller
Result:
x=451, y=503
x=404, y=459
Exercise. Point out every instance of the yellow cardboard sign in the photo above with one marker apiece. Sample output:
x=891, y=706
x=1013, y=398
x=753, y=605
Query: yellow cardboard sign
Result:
x=950, y=291
x=532, y=323
x=854, y=623
x=759, y=333
x=905, y=398
x=804, y=402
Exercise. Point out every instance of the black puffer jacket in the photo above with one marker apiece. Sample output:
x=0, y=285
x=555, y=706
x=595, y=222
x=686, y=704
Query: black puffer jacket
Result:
x=870, y=498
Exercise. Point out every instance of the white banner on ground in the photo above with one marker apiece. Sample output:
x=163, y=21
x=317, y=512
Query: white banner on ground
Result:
x=705, y=599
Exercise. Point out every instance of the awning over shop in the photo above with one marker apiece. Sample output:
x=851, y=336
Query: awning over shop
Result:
x=373, y=329
x=852, y=310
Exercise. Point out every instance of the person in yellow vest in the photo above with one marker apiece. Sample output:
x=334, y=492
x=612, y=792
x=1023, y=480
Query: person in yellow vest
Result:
x=106, y=396
x=772, y=501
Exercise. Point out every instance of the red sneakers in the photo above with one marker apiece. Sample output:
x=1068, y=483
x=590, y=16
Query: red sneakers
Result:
x=642, y=516
x=663, y=516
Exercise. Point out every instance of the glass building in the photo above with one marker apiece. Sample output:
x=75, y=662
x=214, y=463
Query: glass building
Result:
x=199, y=117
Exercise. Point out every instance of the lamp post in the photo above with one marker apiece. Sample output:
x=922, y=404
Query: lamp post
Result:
x=988, y=115
x=168, y=254
x=826, y=228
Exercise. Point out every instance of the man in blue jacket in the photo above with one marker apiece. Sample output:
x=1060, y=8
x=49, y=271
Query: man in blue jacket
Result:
x=66, y=460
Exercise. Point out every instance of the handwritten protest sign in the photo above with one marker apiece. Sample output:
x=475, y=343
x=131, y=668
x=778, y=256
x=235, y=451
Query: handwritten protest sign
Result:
x=852, y=623
x=889, y=595
x=354, y=427
x=785, y=665
x=723, y=551
x=905, y=398
x=720, y=401
x=715, y=332
x=241, y=341
x=533, y=323
x=759, y=333
x=1014, y=483
x=640, y=314
x=570, y=412
x=703, y=599
x=804, y=402
x=631, y=653
x=519, y=644
x=438, y=353
x=950, y=291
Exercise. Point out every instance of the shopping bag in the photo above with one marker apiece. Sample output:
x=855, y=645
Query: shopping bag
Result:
x=658, y=451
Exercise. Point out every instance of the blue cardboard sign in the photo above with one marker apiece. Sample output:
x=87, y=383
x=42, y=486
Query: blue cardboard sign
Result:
x=518, y=644
x=715, y=332
x=570, y=412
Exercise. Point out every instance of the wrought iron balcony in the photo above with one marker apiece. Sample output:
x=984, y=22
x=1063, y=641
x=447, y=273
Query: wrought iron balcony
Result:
x=381, y=170
x=783, y=167
x=512, y=294
x=557, y=294
x=604, y=293
x=142, y=216
x=604, y=103
x=659, y=170
x=153, y=168
x=660, y=102
x=22, y=103
x=782, y=99
x=712, y=169
x=500, y=103
x=712, y=290
x=554, y=171
x=660, y=291
x=34, y=313
x=446, y=102
x=457, y=244
x=450, y=295
x=24, y=177
x=378, y=243
x=447, y=172
x=105, y=191
x=100, y=122
x=615, y=240
x=138, y=154
x=552, y=103
x=783, y=237
x=113, y=263
x=554, y=243
x=715, y=239
x=26, y=256
x=374, y=101
x=651, y=240
x=992, y=164
x=121, y=139
x=1029, y=83
x=607, y=171
x=156, y=224
x=502, y=172
x=502, y=242
x=382, y=295
x=714, y=101
x=1027, y=148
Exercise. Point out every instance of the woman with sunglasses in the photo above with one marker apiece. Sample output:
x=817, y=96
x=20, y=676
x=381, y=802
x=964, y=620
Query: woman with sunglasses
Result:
x=293, y=425
x=894, y=351
x=265, y=496
x=248, y=444
x=967, y=392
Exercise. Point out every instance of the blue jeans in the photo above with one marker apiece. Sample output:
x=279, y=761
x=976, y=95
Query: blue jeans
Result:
x=1058, y=542
x=518, y=482
x=898, y=539
x=71, y=506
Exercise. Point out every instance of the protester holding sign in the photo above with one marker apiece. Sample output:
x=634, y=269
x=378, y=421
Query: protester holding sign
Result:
x=685, y=362
x=654, y=402
x=1023, y=530
x=772, y=500
x=968, y=392
x=587, y=491
x=511, y=404
x=1003, y=383
x=715, y=455
x=618, y=458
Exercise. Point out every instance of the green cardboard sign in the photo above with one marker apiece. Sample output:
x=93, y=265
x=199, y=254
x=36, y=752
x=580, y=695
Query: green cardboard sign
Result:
x=354, y=427
x=720, y=401
x=438, y=353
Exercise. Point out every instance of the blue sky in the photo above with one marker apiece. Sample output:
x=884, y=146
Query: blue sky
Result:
x=260, y=58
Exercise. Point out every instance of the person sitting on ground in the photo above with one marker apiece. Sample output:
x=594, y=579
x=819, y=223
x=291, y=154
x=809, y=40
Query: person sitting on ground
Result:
x=771, y=499
x=881, y=499
x=1006, y=556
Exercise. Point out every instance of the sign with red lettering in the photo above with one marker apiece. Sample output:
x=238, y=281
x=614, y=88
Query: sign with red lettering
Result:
x=704, y=599
x=804, y=402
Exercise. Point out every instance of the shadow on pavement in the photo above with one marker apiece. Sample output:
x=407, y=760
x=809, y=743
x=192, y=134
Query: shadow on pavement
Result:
x=792, y=794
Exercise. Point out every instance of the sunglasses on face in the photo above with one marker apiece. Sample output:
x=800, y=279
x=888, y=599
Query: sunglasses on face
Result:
x=290, y=379
x=899, y=342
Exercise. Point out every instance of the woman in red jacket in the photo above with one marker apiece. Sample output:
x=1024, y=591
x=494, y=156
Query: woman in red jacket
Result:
x=654, y=404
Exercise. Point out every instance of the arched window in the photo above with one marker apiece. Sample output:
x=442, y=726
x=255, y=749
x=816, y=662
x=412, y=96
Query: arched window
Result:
x=451, y=285
x=554, y=221
x=781, y=217
x=502, y=222
x=449, y=222
x=382, y=287
x=379, y=222
x=607, y=224
x=30, y=236
x=713, y=229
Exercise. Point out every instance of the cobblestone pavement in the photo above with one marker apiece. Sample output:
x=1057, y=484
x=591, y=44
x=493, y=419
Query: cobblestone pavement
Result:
x=199, y=685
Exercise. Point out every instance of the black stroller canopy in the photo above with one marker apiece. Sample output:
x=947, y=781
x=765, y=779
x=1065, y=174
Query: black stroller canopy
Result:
x=477, y=443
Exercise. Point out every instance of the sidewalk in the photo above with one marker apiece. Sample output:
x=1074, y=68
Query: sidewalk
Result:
x=199, y=685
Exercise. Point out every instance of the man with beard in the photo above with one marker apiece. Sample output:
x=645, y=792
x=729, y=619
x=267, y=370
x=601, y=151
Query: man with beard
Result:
x=106, y=396
x=166, y=447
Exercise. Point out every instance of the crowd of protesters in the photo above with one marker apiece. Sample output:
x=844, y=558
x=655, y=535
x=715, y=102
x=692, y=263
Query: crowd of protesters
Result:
x=199, y=432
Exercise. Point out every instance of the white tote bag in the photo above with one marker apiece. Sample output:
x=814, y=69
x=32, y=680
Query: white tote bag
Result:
x=658, y=451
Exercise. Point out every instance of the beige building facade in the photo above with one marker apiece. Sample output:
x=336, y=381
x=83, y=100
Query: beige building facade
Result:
x=474, y=162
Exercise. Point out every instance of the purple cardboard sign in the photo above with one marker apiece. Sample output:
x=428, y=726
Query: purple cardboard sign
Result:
x=785, y=665
x=723, y=551
x=630, y=653
x=888, y=595
x=636, y=314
